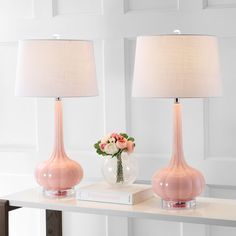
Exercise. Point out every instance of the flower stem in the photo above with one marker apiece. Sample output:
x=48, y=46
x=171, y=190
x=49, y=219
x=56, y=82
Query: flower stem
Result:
x=119, y=174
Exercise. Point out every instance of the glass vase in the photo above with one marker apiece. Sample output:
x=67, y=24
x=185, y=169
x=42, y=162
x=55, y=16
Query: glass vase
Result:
x=121, y=170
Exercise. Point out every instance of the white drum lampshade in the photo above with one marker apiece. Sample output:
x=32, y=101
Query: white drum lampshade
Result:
x=176, y=66
x=56, y=68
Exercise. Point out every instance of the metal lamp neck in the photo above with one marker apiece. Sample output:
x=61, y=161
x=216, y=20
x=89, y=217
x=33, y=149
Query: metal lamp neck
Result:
x=177, y=101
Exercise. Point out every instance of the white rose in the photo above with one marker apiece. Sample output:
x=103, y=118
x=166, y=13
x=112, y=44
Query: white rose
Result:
x=111, y=149
x=106, y=138
x=111, y=140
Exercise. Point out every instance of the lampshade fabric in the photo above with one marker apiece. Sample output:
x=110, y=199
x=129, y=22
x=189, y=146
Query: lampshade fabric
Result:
x=176, y=66
x=55, y=68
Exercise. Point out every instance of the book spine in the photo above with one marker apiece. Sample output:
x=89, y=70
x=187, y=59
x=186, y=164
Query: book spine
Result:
x=105, y=197
x=142, y=196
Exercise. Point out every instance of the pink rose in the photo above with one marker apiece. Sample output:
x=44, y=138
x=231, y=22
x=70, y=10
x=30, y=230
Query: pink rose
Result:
x=130, y=147
x=121, y=143
x=102, y=146
x=116, y=136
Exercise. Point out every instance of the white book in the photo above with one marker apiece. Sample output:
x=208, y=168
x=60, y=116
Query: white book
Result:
x=102, y=192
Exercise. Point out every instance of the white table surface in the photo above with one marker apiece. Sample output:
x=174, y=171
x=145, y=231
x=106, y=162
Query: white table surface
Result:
x=209, y=210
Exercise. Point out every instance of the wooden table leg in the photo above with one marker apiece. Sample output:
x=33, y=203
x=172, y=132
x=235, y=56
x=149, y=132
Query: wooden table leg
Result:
x=53, y=223
x=4, y=208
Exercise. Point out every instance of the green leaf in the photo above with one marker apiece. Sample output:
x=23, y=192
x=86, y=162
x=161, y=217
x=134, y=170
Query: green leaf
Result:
x=124, y=135
x=131, y=139
x=96, y=145
x=100, y=152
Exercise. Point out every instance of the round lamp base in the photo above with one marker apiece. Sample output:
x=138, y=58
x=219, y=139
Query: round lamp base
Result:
x=59, y=193
x=175, y=205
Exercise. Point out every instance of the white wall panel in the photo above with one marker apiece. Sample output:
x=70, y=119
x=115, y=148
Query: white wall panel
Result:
x=220, y=3
x=221, y=125
x=86, y=223
x=74, y=7
x=16, y=9
x=133, y=5
x=219, y=231
x=83, y=123
x=218, y=191
x=17, y=115
x=141, y=227
x=25, y=222
x=193, y=230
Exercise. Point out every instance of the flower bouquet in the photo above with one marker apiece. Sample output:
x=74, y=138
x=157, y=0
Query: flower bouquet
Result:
x=123, y=169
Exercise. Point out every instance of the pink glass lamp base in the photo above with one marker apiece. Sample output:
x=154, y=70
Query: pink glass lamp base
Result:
x=59, y=174
x=178, y=184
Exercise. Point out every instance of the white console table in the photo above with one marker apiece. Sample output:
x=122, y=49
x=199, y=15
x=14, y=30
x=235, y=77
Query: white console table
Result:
x=210, y=211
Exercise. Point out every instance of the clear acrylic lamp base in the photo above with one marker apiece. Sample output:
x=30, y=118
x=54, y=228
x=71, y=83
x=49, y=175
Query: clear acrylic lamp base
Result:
x=59, y=193
x=178, y=204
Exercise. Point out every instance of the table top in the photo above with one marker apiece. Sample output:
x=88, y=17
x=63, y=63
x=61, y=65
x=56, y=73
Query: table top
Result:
x=209, y=210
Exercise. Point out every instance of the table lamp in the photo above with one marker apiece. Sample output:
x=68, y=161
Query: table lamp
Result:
x=56, y=69
x=177, y=66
